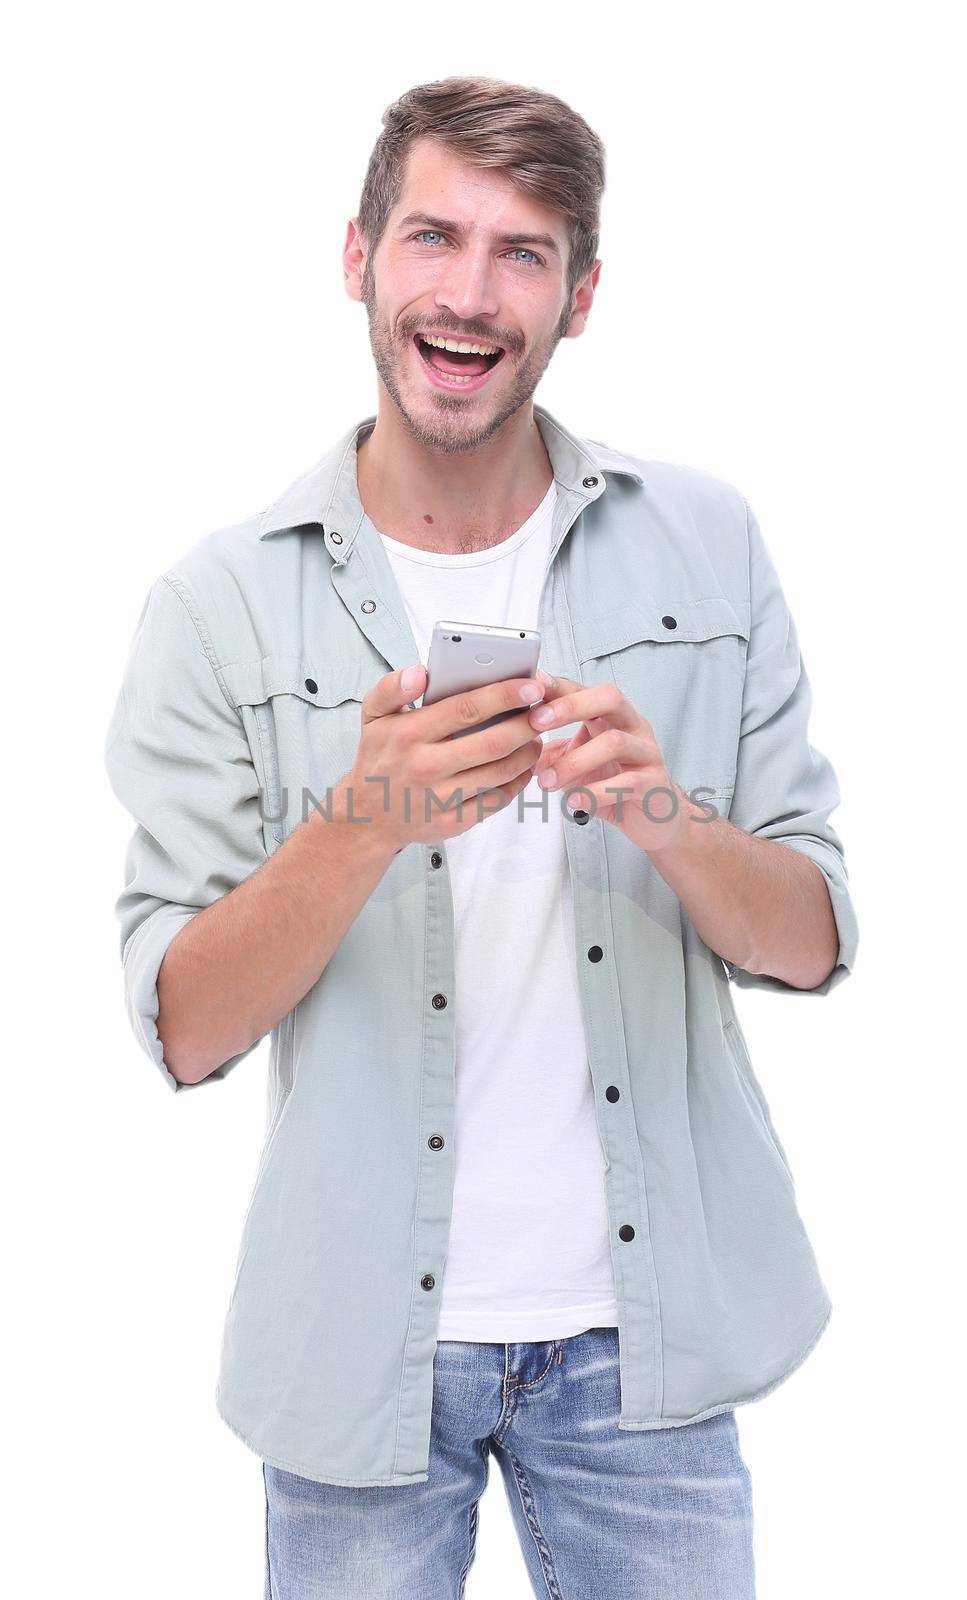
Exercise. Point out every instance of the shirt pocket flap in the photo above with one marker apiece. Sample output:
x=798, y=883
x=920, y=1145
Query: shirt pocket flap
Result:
x=320, y=683
x=302, y=719
x=673, y=621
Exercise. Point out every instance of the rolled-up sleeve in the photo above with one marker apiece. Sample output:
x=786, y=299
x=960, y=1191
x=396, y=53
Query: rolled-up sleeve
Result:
x=785, y=789
x=179, y=761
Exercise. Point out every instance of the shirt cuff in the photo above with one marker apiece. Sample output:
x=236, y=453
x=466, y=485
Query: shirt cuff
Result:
x=830, y=863
x=142, y=962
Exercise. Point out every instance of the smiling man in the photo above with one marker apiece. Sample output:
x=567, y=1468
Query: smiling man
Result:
x=520, y=1193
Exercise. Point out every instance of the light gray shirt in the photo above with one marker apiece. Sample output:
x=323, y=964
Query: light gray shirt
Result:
x=239, y=708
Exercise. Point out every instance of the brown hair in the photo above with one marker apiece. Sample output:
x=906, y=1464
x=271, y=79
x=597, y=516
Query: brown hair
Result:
x=543, y=146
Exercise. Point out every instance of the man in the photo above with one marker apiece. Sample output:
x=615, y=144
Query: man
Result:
x=520, y=1191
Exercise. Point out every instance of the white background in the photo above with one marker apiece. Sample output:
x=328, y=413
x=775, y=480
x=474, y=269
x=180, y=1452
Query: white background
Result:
x=781, y=303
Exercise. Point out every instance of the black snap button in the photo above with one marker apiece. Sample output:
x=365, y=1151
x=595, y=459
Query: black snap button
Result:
x=589, y=483
x=312, y=686
x=581, y=816
x=336, y=538
x=612, y=1093
x=669, y=622
x=626, y=1231
x=427, y=1281
x=438, y=1002
x=436, y=860
x=595, y=953
x=435, y=1141
x=368, y=605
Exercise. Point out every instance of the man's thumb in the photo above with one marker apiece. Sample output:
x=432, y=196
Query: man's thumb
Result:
x=393, y=692
x=410, y=685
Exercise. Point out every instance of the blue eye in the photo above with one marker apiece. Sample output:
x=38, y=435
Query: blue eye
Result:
x=518, y=250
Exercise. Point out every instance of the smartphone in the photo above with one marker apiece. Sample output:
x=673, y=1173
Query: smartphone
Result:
x=468, y=655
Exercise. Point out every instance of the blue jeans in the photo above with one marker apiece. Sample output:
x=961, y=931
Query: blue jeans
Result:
x=601, y=1513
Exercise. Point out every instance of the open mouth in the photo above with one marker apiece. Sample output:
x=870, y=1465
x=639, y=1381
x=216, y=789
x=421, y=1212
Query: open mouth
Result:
x=456, y=369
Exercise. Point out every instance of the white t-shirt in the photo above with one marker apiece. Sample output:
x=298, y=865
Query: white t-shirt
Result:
x=529, y=1255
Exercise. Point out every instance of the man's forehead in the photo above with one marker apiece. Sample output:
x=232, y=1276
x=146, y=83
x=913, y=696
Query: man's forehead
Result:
x=427, y=201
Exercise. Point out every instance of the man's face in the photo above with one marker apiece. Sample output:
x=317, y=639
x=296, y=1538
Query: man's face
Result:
x=464, y=282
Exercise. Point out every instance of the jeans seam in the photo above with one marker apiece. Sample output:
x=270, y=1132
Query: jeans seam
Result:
x=268, y=1570
x=471, y=1536
x=472, y=1529
x=528, y=1505
x=508, y=1393
x=532, y=1381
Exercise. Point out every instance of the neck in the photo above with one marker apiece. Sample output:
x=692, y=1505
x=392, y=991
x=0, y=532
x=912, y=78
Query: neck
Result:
x=453, y=502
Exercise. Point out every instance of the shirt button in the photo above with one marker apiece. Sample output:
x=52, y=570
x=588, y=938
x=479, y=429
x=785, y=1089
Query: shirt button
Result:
x=595, y=953
x=435, y=1141
x=368, y=605
x=427, y=1281
x=626, y=1231
x=336, y=538
x=612, y=1093
x=669, y=622
x=312, y=686
x=581, y=816
x=436, y=860
x=438, y=1002
x=589, y=483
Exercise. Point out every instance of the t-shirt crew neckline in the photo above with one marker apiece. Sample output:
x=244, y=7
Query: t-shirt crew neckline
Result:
x=471, y=558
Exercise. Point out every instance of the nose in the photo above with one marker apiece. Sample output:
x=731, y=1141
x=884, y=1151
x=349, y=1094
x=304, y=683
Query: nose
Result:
x=468, y=287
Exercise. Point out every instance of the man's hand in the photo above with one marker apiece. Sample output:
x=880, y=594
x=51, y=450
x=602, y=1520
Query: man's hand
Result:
x=613, y=761
x=756, y=902
x=411, y=782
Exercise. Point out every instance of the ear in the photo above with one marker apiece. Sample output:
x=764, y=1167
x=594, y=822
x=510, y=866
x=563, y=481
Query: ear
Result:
x=583, y=300
x=354, y=259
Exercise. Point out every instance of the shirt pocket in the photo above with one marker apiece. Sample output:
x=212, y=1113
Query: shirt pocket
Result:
x=682, y=665
x=303, y=721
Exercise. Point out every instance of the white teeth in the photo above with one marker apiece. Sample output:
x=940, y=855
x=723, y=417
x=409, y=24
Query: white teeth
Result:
x=464, y=349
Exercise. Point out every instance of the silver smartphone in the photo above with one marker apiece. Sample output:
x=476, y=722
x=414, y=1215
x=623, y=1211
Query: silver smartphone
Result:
x=468, y=655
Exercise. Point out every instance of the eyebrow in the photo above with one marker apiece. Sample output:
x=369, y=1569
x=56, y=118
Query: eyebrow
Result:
x=442, y=226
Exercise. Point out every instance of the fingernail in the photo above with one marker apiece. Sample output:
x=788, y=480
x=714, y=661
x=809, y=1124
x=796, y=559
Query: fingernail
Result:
x=529, y=692
x=543, y=717
x=547, y=778
x=410, y=677
x=545, y=677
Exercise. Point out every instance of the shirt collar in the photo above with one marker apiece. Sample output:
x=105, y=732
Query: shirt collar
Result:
x=327, y=496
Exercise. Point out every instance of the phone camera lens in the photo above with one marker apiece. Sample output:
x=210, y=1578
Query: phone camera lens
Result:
x=522, y=635
x=457, y=637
